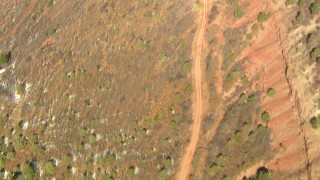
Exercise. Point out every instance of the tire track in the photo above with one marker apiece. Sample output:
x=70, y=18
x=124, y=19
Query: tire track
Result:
x=185, y=164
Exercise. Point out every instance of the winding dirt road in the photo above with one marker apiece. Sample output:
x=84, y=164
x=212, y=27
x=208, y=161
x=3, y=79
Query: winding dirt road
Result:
x=25, y=14
x=185, y=164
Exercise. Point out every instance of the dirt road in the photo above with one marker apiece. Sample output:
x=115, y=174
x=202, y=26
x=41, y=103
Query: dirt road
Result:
x=25, y=14
x=185, y=165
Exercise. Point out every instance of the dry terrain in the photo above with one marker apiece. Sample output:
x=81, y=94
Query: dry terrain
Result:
x=141, y=89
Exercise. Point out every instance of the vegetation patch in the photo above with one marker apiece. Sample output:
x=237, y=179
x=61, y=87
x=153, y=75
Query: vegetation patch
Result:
x=271, y=92
x=265, y=116
x=314, y=122
x=3, y=59
x=263, y=16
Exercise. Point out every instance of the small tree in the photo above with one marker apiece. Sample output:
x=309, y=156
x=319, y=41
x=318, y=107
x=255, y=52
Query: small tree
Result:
x=314, y=122
x=315, y=53
x=263, y=16
x=49, y=168
x=265, y=117
x=3, y=59
x=214, y=169
x=263, y=174
x=271, y=92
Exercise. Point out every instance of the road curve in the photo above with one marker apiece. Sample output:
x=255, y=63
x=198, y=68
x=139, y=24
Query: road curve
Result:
x=197, y=109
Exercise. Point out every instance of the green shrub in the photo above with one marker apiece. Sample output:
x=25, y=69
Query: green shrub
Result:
x=290, y=2
x=37, y=151
x=245, y=127
x=260, y=128
x=2, y=162
x=131, y=171
x=3, y=59
x=92, y=138
x=168, y=162
x=265, y=117
x=91, y=7
x=252, y=99
x=214, y=169
x=234, y=2
x=263, y=16
x=315, y=8
x=5, y=117
x=314, y=122
x=238, y=137
x=301, y=2
x=177, y=98
x=19, y=142
x=313, y=38
x=315, y=53
x=162, y=174
x=148, y=14
x=221, y=159
x=232, y=76
x=271, y=92
x=49, y=168
x=243, y=98
x=255, y=27
x=229, y=55
x=252, y=136
x=10, y=155
x=49, y=3
x=238, y=12
x=28, y=171
x=198, y=6
x=68, y=159
x=299, y=18
x=51, y=31
x=249, y=36
x=229, y=144
x=186, y=66
x=21, y=88
x=264, y=176
x=188, y=89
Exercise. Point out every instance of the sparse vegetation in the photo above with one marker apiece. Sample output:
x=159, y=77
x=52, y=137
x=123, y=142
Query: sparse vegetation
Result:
x=315, y=53
x=252, y=99
x=264, y=176
x=301, y=3
x=186, y=66
x=314, y=122
x=232, y=76
x=237, y=12
x=3, y=59
x=271, y=92
x=243, y=98
x=315, y=7
x=49, y=168
x=299, y=18
x=238, y=137
x=265, y=117
x=255, y=27
x=290, y=2
x=214, y=169
x=263, y=16
x=21, y=88
x=51, y=31
x=198, y=6
x=49, y=3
